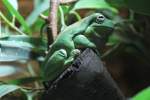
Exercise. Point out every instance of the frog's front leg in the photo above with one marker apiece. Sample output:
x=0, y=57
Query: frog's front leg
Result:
x=54, y=65
x=83, y=41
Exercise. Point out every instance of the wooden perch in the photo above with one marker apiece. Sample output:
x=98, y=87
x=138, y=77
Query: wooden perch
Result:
x=86, y=79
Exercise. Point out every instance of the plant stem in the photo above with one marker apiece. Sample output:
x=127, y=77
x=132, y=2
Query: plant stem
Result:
x=63, y=24
x=76, y=14
x=10, y=24
x=32, y=72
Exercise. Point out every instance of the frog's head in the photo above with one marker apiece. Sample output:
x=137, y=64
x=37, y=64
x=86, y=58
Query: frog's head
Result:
x=101, y=26
x=100, y=29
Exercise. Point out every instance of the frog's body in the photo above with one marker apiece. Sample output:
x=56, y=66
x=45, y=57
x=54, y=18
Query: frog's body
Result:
x=66, y=41
x=65, y=38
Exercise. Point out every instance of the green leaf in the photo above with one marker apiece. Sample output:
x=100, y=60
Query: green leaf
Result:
x=19, y=47
x=142, y=95
x=17, y=15
x=37, y=11
x=93, y=4
x=5, y=89
x=6, y=70
x=10, y=24
x=117, y=3
x=14, y=3
x=139, y=6
x=13, y=50
x=113, y=40
x=37, y=3
x=65, y=8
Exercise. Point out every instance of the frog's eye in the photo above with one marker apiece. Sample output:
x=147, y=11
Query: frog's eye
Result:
x=100, y=19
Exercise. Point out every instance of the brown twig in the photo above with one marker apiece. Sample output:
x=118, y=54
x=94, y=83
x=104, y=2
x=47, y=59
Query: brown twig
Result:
x=54, y=4
x=53, y=17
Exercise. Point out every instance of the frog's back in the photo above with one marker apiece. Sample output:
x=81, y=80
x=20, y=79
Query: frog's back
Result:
x=64, y=39
x=62, y=43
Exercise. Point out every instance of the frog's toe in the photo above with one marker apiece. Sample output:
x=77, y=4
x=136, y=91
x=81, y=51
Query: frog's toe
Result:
x=76, y=52
x=63, y=53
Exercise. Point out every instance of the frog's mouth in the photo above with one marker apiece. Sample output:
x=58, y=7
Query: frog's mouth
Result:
x=106, y=27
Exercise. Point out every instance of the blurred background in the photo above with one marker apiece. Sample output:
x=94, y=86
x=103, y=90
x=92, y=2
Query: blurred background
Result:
x=126, y=52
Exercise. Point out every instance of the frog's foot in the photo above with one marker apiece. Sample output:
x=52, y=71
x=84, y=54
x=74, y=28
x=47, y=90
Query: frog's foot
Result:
x=55, y=64
x=74, y=54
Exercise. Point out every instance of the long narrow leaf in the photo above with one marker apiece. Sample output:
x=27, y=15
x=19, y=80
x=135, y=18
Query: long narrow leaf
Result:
x=17, y=15
x=37, y=11
x=20, y=47
x=93, y=4
x=9, y=23
x=5, y=89
x=7, y=70
x=14, y=3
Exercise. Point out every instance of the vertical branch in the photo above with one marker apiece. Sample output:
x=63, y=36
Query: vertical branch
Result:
x=54, y=4
x=53, y=17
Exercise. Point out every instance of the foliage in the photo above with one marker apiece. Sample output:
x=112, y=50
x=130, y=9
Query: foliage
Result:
x=17, y=15
x=128, y=36
x=5, y=89
x=93, y=4
x=143, y=95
